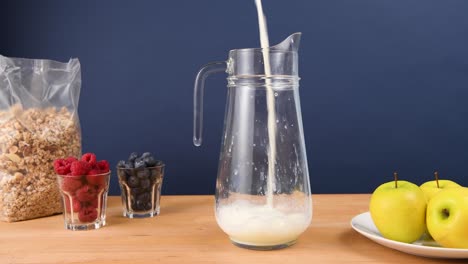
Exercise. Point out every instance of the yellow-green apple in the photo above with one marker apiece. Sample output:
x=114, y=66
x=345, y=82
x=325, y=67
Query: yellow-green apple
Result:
x=398, y=209
x=431, y=188
x=447, y=217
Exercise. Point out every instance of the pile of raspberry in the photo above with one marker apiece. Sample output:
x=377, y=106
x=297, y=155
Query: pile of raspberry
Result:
x=82, y=182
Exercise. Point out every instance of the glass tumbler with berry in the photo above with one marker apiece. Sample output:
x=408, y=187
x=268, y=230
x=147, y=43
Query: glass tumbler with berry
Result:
x=84, y=185
x=140, y=180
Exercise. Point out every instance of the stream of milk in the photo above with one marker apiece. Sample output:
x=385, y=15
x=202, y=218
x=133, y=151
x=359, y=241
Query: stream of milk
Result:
x=264, y=43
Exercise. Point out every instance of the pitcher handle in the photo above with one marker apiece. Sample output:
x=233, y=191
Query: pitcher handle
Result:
x=198, y=92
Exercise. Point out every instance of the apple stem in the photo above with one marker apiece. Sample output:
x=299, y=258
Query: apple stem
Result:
x=436, y=175
x=395, y=177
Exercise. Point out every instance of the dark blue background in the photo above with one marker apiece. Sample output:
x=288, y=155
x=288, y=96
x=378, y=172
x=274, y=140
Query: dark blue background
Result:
x=384, y=83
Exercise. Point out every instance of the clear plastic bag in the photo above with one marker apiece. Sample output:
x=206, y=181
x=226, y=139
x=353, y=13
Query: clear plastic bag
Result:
x=38, y=124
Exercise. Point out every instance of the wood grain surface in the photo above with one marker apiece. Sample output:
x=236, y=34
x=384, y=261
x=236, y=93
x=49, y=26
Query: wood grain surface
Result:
x=186, y=232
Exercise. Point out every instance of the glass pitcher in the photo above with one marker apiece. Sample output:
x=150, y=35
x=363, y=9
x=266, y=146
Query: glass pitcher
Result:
x=263, y=198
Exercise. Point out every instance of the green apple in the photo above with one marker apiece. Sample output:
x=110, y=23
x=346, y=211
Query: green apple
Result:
x=447, y=217
x=431, y=188
x=398, y=209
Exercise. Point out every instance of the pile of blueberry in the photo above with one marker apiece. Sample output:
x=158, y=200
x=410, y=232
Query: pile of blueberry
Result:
x=138, y=176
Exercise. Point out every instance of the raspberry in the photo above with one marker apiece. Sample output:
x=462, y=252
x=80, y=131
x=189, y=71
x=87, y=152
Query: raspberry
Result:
x=79, y=168
x=76, y=205
x=71, y=184
x=93, y=203
x=87, y=214
x=89, y=158
x=61, y=167
x=70, y=160
x=94, y=171
x=86, y=193
x=100, y=187
x=96, y=179
x=103, y=165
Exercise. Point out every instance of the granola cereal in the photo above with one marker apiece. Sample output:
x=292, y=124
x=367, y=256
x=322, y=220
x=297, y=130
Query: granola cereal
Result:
x=30, y=140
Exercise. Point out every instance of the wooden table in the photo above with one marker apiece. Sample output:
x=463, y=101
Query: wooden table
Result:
x=186, y=232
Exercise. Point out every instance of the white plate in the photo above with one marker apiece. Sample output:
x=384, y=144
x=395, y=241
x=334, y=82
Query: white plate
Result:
x=364, y=225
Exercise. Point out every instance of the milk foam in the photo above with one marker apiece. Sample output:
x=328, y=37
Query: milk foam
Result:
x=261, y=225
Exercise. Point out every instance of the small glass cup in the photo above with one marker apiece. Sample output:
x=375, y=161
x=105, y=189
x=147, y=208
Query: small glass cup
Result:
x=141, y=190
x=84, y=200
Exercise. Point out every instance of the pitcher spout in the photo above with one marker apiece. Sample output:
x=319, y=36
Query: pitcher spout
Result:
x=291, y=43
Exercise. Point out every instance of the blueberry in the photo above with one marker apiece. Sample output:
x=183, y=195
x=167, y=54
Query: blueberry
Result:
x=154, y=175
x=150, y=161
x=129, y=165
x=148, y=206
x=145, y=155
x=139, y=163
x=133, y=205
x=143, y=173
x=145, y=183
x=135, y=191
x=121, y=164
x=122, y=174
x=144, y=197
x=126, y=173
x=140, y=205
x=133, y=156
x=133, y=182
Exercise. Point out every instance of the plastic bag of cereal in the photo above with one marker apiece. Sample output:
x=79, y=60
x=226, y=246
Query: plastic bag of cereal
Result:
x=38, y=124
